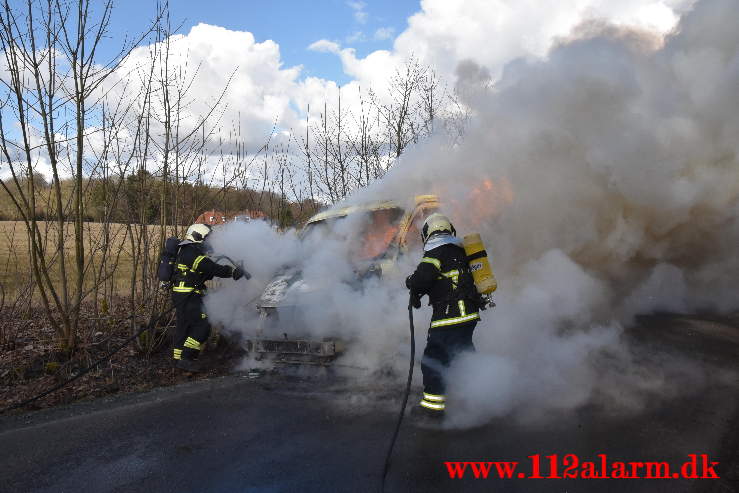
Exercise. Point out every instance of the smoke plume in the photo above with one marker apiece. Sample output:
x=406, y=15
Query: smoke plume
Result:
x=604, y=180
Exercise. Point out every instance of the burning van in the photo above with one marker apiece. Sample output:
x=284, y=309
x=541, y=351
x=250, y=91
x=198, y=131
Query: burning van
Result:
x=386, y=230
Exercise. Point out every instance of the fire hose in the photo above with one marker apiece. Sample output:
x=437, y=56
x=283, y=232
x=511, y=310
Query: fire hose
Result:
x=84, y=371
x=405, y=396
x=488, y=302
x=240, y=265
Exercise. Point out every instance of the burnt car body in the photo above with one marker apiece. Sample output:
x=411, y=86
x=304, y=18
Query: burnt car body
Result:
x=387, y=229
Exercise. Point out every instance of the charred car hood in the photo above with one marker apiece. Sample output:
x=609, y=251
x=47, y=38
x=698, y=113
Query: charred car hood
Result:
x=288, y=288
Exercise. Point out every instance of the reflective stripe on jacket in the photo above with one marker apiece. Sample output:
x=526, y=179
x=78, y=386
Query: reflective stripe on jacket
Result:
x=443, y=274
x=194, y=268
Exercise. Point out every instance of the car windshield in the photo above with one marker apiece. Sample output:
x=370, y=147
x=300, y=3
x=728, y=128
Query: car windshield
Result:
x=379, y=230
x=376, y=231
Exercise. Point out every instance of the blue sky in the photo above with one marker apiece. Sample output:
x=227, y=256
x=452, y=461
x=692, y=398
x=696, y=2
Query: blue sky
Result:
x=293, y=24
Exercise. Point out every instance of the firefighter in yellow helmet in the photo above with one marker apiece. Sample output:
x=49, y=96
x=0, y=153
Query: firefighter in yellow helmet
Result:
x=444, y=276
x=192, y=269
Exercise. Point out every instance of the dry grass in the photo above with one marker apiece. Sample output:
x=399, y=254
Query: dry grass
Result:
x=31, y=361
x=119, y=256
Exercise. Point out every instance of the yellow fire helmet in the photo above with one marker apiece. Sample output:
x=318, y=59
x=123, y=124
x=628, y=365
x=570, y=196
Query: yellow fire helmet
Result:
x=197, y=232
x=436, y=223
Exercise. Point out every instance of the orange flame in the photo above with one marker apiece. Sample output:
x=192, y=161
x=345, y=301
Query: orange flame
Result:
x=483, y=202
x=377, y=236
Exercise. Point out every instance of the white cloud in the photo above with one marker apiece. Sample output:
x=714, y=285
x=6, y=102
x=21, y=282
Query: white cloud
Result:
x=384, y=33
x=263, y=97
x=360, y=15
x=493, y=32
x=325, y=46
x=356, y=37
x=264, y=92
x=260, y=89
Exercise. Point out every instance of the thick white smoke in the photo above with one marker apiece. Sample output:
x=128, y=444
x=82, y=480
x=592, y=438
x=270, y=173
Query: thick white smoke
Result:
x=605, y=182
x=369, y=315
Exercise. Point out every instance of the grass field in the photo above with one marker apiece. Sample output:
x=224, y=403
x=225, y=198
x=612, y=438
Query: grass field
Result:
x=118, y=257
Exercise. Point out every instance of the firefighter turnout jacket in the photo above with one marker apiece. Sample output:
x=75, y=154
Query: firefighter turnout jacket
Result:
x=194, y=268
x=444, y=275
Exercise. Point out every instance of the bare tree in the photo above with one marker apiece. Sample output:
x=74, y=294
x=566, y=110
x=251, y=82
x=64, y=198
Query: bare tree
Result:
x=52, y=92
x=402, y=123
x=367, y=143
x=127, y=143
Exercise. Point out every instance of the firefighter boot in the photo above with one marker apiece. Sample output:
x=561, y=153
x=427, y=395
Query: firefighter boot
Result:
x=189, y=365
x=426, y=418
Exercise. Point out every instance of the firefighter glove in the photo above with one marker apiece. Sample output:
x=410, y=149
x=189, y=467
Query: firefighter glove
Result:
x=415, y=299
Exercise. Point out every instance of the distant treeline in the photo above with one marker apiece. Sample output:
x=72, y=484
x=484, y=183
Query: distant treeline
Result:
x=137, y=198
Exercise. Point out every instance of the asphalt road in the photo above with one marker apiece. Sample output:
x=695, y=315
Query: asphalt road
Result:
x=283, y=433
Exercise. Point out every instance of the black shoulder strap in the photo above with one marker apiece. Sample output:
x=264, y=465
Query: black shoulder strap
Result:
x=172, y=245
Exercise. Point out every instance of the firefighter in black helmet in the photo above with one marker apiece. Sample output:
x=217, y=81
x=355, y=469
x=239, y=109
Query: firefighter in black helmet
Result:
x=193, y=268
x=444, y=276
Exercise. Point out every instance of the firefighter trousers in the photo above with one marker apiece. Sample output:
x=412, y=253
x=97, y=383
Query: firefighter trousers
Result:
x=192, y=329
x=442, y=345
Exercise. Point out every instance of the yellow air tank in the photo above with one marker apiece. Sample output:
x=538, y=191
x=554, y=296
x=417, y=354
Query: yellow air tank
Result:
x=479, y=264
